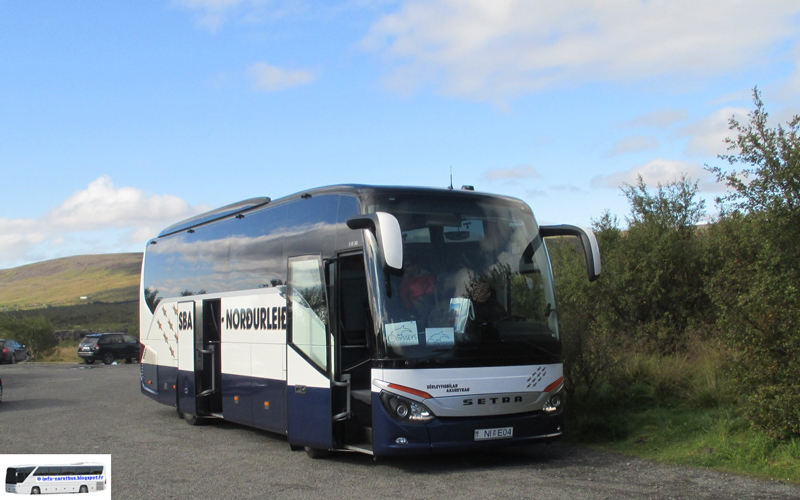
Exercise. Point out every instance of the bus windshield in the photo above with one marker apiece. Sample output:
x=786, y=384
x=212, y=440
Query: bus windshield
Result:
x=476, y=286
x=16, y=475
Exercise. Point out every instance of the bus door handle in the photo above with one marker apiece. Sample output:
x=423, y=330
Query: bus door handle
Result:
x=344, y=383
x=213, y=389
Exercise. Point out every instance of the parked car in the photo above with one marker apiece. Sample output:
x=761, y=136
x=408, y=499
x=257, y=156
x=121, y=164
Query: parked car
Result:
x=108, y=347
x=12, y=351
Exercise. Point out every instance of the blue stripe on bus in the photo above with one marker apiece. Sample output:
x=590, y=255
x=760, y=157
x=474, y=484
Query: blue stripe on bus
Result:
x=311, y=423
x=186, y=393
x=261, y=402
x=254, y=401
x=269, y=404
x=157, y=382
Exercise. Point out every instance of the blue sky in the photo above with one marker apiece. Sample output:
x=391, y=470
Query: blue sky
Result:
x=120, y=118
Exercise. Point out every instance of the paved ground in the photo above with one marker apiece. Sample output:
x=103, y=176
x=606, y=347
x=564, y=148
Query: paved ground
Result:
x=78, y=409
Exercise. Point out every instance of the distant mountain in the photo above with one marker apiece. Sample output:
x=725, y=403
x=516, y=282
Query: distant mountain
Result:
x=71, y=280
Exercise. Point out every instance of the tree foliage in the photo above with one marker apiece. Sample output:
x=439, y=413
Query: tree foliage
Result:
x=35, y=332
x=769, y=181
x=672, y=288
x=651, y=297
x=758, y=287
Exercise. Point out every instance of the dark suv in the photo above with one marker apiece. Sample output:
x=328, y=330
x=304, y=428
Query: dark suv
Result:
x=108, y=347
x=12, y=351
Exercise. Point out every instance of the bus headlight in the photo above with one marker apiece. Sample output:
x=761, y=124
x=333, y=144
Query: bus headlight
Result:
x=553, y=403
x=405, y=410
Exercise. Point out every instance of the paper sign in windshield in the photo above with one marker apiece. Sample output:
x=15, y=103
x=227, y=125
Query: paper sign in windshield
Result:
x=401, y=334
x=444, y=337
x=460, y=310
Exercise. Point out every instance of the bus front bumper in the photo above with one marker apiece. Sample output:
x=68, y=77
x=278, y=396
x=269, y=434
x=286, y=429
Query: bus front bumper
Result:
x=442, y=435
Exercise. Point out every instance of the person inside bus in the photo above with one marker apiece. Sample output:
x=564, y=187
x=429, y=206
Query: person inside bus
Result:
x=416, y=288
x=485, y=304
x=486, y=311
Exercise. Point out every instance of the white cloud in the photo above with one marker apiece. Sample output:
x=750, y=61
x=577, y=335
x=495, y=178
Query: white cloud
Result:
x=98, y=219
x=497, y=50
x=660, y=118
x=518, y=172
x=212, y=13
x=101, y=205
x=17, y=236
x=791, y=88
x=633, y=144
x=659, y=171
x=270, y=78
x=707, y=136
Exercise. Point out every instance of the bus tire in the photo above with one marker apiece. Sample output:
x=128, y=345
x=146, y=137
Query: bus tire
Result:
x=317, y=453
x=84, y=489
x=35, y=490
x=193, y=419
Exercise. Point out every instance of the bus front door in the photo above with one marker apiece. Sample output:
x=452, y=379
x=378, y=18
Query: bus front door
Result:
x=308, y=363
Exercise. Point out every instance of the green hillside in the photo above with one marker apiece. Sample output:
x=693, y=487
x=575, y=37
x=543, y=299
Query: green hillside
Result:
x=69, y=281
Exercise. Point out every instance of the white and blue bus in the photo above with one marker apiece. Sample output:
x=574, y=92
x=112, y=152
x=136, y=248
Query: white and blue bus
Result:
x=383, y=320
x=80, y=477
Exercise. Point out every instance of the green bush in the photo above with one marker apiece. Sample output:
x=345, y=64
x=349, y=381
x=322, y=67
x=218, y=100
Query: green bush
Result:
x=757, y=288
x=35, y=332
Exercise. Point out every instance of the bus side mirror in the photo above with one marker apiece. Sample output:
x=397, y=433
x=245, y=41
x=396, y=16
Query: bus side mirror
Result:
x=591, y=250
x=386, y=229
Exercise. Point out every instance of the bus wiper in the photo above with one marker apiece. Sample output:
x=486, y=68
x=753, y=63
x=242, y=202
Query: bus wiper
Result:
x=538, y=348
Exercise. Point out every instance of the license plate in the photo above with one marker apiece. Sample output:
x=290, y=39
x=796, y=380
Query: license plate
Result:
x=498, y=433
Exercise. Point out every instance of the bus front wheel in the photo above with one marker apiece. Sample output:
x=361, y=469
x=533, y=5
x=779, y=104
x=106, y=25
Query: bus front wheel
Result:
x=35, y=490
x=84, y=489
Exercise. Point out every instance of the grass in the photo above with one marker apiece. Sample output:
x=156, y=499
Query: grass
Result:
x=65, y=352
x=71, y=281
x=714, y=438
x=679, y=409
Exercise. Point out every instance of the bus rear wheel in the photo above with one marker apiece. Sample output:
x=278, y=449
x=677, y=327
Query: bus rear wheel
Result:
x=84, y=489
x=193, y=419
x=316, y=453
x=35, y=490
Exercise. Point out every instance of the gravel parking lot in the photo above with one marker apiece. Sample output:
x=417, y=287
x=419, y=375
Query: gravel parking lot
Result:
x=99, y=409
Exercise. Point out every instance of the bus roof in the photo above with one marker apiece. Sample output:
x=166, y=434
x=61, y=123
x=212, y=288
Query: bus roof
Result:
x=360, y=190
